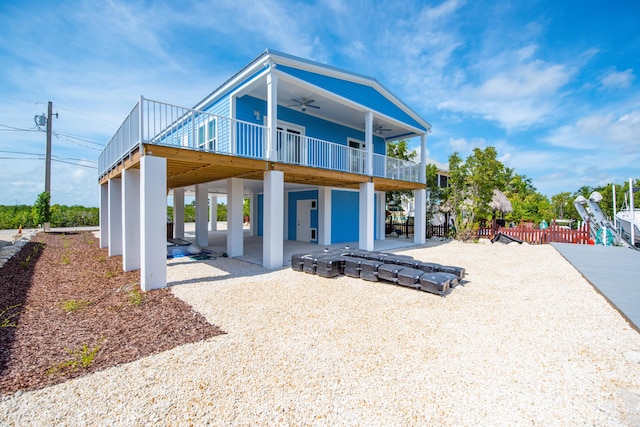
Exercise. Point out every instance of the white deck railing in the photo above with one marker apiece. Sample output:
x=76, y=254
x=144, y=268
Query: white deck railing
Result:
x=159, y=123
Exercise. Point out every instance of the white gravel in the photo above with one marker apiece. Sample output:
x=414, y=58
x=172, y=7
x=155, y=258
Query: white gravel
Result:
x=526, y=341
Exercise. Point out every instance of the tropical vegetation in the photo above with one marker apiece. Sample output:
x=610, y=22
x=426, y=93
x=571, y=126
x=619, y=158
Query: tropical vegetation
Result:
x=471, y=190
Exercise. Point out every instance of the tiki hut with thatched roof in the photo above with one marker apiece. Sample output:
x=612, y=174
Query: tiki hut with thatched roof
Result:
x=500, y=203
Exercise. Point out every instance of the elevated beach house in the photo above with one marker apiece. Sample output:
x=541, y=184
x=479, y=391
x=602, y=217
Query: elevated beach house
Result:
x=304, y=141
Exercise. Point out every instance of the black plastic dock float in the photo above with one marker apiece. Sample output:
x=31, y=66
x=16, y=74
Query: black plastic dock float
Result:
x=410, y=277
x=352, y=266
x=389, y=272
x=369, y=270
x=458, y=271
x=330, y=265
x=436, y=283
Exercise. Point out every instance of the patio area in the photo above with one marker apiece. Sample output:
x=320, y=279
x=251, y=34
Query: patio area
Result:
x=253, y=244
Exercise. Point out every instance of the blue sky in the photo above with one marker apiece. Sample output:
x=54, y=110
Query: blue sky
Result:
x=553, y=85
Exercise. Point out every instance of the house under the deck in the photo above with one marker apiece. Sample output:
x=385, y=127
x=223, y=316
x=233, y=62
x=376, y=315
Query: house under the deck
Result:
x=304, y=141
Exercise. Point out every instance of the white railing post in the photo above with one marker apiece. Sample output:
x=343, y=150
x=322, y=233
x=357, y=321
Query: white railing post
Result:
x=140, y=124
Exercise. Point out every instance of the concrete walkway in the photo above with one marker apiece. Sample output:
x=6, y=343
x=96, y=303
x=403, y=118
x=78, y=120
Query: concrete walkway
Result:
x=614, y=271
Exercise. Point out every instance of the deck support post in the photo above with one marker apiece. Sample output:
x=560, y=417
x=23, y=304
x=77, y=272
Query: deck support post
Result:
x=153, y=222
x=253, y=214
x=420, y=218
x=368, y=141
x=178, y=213
x=324, y=216
x=115, y=217
x=272, y=116
x=202, y=220
x=213, y=213
x=381, y=214
x=131, y=219
x=235, y=188
x=272, y=242
x=366, y=216
x=104, y=215
x=423, y=159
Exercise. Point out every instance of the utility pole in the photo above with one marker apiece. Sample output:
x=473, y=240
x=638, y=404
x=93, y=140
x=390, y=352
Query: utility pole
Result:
x=47, y=162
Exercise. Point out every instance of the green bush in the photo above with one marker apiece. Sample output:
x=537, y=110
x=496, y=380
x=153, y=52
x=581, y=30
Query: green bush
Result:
x=12, y=217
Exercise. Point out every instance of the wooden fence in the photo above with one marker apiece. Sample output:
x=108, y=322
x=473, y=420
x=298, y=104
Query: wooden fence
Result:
x=525, y=232
x=536, y=236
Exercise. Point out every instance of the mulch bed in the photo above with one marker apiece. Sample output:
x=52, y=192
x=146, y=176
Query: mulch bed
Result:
x=42, y=344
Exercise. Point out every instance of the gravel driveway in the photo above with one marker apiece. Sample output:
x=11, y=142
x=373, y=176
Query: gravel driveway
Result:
x=526, y=341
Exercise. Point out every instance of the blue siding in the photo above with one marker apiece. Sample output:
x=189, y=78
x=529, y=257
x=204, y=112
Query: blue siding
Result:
x=245, y=107
x=314, y=126
x=294, y=196
x=345, y=212
x=260, y=214
x=362, y=94
x=345, y=216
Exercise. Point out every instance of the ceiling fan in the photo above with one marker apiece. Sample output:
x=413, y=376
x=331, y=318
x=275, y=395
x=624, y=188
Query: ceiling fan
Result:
x=379, y=129
x=303, y=103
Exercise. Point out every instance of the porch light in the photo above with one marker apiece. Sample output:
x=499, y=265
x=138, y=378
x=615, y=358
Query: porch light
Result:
x=257, y=115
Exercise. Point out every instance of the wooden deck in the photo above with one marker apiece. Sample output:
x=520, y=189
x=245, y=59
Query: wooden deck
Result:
x=189, y=167
x=614, y=271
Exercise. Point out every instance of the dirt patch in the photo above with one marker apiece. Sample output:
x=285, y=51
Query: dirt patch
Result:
x=68, y=309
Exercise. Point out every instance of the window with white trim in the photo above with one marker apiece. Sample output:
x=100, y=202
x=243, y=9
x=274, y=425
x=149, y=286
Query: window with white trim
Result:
x=207, y=138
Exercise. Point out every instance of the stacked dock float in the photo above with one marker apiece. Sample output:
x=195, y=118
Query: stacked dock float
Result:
x=374, y=266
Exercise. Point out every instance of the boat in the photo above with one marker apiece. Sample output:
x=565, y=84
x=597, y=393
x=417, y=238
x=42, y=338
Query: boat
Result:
x=624, y=218
x=629, y=219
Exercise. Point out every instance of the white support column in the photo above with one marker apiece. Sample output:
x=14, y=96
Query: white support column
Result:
x=420, y=219
x=272, y=242
x=213, y=213
x=324, y=215
x=253, y=214
x=272, y=115
x=381, y=211
x=368, y=141
x=153, y=222
x=235, y=187
x=178, y=213
x=202, y=200
x=423, y=158
x=366, y=216
x=285, y=217
x=131, y=219
x=104, y=215
x=115, y=217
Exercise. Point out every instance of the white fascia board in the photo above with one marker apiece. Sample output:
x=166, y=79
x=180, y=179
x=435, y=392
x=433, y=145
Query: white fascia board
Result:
x=327, y=70
x=346, y=101
x=243, y=74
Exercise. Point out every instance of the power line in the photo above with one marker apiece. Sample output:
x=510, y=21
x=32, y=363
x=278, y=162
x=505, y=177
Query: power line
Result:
x=58, y=135
x=54, y=159
x=79, y=139
x=76, y=164
x=13, y=128
x=38, y=154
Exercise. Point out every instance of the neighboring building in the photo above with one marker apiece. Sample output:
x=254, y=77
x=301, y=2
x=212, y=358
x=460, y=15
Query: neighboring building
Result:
x=408, y=203
x=304, y=141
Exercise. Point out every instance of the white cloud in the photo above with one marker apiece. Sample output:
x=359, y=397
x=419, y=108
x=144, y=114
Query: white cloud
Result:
x=522, y=96
x=613, y=79
x=600, y=132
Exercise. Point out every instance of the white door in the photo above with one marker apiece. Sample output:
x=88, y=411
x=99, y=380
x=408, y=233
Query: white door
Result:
x=356, y=156
x=303, y=215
